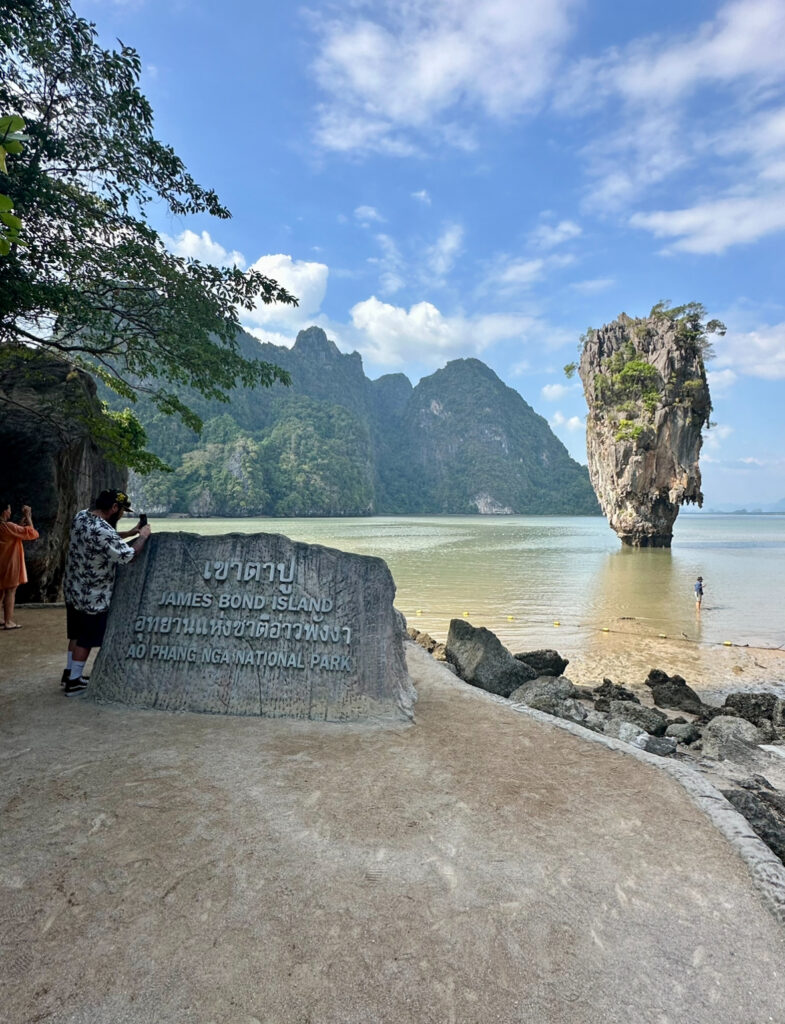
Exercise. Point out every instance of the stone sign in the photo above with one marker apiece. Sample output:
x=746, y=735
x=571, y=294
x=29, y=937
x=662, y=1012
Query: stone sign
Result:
x=254, y=624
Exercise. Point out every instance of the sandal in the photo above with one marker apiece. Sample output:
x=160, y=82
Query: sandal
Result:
x=16, y=625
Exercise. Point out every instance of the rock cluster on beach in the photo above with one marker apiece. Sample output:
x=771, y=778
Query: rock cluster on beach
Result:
x=725, y=743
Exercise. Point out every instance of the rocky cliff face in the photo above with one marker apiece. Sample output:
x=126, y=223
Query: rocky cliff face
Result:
x=49, y=461
x=477, y=446
x=337, y=443
x=645, y=385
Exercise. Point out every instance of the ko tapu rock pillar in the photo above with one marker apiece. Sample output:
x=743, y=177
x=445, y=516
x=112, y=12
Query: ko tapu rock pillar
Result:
x=645, y=386
x=254, y=624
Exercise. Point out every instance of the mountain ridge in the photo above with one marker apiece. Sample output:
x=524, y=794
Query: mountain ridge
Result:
x=337, y=443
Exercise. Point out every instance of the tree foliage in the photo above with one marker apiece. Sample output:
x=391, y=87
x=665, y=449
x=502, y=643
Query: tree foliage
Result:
x=95, y=283
x=11, y=143
x=691, y=324
x=628, y=389
x=315, y=460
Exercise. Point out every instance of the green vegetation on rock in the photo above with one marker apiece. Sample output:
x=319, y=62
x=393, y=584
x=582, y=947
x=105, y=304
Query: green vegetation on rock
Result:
x=629, y=389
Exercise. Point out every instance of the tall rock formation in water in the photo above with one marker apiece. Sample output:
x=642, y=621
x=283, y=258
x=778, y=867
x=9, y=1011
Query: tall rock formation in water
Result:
x=645, y=385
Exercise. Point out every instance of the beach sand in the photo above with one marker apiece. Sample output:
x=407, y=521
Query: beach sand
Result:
x=480, y=865
x=626, y=655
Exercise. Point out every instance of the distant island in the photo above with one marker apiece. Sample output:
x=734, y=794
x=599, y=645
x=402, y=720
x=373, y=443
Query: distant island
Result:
x=778, y=509
x=336, y=443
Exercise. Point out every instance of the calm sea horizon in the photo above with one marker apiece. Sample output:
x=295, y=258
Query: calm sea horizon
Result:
x=535, y=579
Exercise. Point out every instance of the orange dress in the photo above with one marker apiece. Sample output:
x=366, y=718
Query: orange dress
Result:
x=12, y=556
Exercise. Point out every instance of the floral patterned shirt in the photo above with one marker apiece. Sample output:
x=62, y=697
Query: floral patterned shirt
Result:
x=93, y=554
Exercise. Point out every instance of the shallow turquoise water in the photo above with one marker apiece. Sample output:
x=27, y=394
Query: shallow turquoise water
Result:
x=518, y=575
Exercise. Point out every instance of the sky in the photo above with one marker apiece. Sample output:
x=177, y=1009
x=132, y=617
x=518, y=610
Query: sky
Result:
x=439, y=179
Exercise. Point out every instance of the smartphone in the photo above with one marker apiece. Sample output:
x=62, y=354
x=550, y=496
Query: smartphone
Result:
x=142, y=519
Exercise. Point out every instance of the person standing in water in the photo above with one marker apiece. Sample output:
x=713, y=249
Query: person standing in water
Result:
x=698, y=592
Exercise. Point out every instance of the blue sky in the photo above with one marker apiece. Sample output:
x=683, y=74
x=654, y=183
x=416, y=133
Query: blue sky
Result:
x=445, y=178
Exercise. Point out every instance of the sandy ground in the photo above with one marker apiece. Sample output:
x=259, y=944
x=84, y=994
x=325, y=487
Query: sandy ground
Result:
x=712, y=670
x=626, y=653
x=476, y=866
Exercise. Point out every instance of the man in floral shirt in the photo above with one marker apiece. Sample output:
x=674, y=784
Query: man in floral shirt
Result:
x=95, y=551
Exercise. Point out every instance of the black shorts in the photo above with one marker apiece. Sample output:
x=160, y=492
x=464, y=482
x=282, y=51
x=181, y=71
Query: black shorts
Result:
x=85, y=627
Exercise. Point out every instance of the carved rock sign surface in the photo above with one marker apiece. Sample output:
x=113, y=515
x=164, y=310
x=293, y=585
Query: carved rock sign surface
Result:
x=254, y=624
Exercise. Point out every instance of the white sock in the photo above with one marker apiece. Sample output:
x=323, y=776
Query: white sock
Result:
x=77, y=668
x=68, y=661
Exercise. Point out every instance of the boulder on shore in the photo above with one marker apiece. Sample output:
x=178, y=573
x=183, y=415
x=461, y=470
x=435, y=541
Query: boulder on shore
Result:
x=683, y=732
x=648, y=719
x=609, y=691
x=765, y=811
x=481, y=659
x=551, y=687
x=761, y=709
x=673, y=692
x=545, y=662
x=727, y=737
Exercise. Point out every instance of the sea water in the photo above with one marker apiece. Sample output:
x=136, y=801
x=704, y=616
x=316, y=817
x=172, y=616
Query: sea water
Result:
x=527, y=577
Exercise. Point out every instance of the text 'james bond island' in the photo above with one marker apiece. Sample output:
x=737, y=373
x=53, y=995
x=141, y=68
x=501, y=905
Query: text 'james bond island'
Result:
x=255, y=625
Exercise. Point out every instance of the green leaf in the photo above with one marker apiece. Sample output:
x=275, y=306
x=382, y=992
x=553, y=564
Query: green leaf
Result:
x=11, y=123
x=6, y=203
x=10, y=220
x=5, y=245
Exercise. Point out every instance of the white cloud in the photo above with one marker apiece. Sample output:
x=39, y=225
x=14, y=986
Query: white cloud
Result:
x=422, y=196
x=509, y=275
x=553, y=392
x=519, y=273
x=762, y=134
x=712, y=227
x=720, y=382
x=366, y=214
x=346, y=132
x=713, y=438
x=596, y=284
x=744, y=41
x=572, y=424
x=272, y=337
x=648, y=147
x=442, y=255
x=758, y=353
x=546, y=236
x=201, y=247
x=390, y=335
x=402, y=68
x=306, y=280
x=391, y=265
x=649, y=90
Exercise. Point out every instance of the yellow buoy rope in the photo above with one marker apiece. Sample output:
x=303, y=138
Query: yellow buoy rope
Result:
x=590, y=627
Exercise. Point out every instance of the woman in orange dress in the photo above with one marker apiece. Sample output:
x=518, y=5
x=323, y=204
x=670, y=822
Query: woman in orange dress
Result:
x=12, y=558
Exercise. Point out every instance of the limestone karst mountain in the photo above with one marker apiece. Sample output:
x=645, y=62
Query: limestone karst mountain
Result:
x=337, y=443
x=645, y=385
